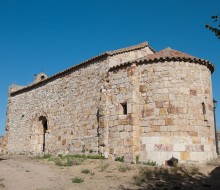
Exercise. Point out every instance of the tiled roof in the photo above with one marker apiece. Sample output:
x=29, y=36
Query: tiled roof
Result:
x=131, y=48
x=169, y=54
x=82, y=64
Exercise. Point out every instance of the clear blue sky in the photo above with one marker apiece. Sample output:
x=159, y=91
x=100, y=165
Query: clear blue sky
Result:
x=52, y=35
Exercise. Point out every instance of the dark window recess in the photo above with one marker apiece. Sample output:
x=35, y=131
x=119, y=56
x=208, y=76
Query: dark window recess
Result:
x=42, y=77
x=124, y=107
x=203, y=108
x=43, y=119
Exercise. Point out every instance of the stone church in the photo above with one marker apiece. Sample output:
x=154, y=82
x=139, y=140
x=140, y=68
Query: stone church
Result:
x=128, y=102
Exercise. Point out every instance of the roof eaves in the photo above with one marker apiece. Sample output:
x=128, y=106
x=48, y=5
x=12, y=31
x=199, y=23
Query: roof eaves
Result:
x=98, y=57
x=57, y=75
x=207, y=63
x=131, y=48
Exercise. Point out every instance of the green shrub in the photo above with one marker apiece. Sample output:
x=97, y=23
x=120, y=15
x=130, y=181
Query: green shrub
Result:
x=120, y=159
x=45, y=156
x=67, y=161
x=137, y=158
x=95, y=157
x=85, y=171
x=38, y=156
x=123, y=168
x=150, y=163
x=77, y=180
x=86, y=156
x=70, y=160
x=83, y=150
x=51, y=158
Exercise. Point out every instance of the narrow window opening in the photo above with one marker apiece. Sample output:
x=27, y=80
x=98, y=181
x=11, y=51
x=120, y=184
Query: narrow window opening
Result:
x=203, y=108
x=45, y=128
x=124, y=108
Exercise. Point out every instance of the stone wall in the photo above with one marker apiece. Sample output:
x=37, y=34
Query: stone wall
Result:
x=218, y=137
x=69, y=104
x=117, y=106
x=129, y=56
x=2, y=145
x=121, y=93
x=173, y=119
x=61, y=115
x=169, y=112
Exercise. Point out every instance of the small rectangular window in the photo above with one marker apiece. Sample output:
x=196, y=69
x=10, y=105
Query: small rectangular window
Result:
x=124, y=108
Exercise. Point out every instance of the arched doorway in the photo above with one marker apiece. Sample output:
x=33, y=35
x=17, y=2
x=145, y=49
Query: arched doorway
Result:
x=44, y=128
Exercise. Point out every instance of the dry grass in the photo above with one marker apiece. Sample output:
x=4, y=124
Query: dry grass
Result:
x=106, y=174
x=169, y=177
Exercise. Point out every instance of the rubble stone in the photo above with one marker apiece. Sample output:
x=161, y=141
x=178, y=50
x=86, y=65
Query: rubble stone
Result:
x=129, y=102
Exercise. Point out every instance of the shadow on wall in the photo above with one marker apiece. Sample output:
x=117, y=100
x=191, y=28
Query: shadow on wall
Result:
x=176, y=179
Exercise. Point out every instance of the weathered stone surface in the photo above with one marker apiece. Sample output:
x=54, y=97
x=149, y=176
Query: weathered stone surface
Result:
x=169, y=121
x=163, y=147
x=193, y=92
x=63, y=141
x=184, y=156
x=193, y=133
x=143, y=89
x=195, y=148
x=2, y=144
x=152, y=110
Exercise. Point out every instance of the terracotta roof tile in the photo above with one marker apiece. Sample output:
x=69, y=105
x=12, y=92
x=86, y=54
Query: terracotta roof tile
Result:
x=169, y=54
x=123, y=50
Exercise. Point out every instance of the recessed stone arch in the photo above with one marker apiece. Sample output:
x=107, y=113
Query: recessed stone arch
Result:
x=39, y=133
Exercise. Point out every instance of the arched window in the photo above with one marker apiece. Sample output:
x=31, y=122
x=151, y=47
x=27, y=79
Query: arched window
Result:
x=43, y=119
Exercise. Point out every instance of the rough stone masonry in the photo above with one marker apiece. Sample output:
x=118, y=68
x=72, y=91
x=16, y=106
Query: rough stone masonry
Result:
x=132, y=102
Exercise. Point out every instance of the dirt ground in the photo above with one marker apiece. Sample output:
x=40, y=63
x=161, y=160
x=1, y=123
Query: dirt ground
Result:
x=30, y=173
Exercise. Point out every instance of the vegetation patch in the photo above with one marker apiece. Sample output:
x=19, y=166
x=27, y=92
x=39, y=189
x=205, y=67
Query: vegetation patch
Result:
x=70, y=160
x=77, y=180
x=85, y=156
x=178, y=177
x=120, y=159
x=150, y=163
x=124, y=168
x=46, y=156
x=85, y=171
x=103, y=166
